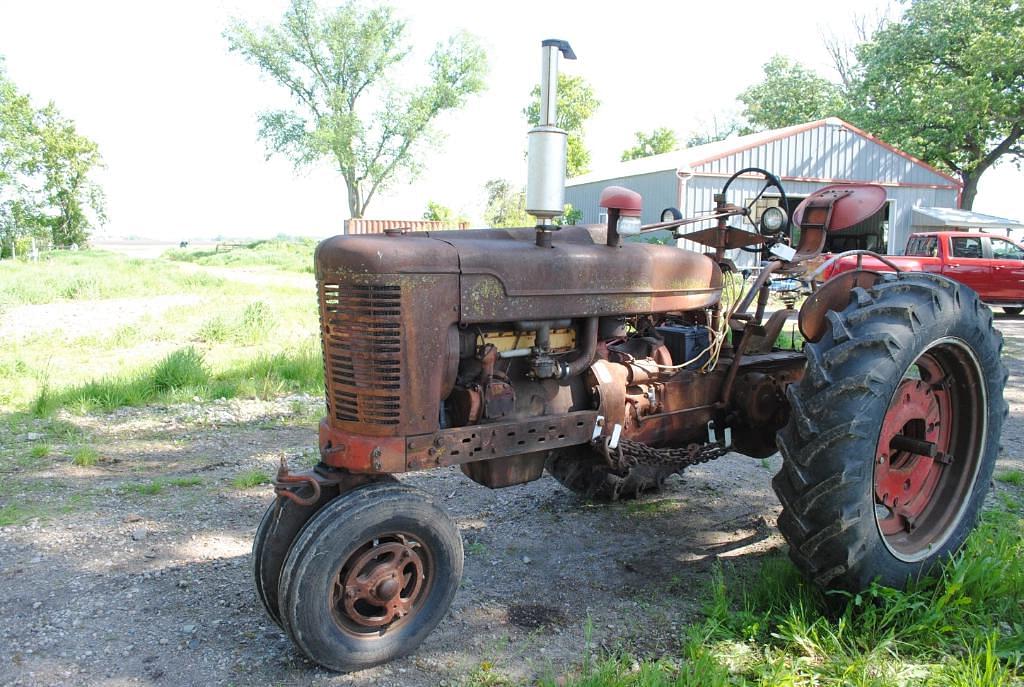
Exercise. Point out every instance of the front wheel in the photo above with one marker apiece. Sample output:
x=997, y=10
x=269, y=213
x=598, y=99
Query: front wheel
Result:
x=370, y=576
x=893, y=434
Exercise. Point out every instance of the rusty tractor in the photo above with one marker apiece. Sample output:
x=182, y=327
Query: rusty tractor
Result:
x=614, y=364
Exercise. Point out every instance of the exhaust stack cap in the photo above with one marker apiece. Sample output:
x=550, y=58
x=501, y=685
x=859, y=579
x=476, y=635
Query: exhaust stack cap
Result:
x=547, y=144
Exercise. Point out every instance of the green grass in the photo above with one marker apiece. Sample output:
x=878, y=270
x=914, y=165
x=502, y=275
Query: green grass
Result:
x=184, y=374
x=85, y=456
x=251, y=326
x=293, y=255
x=964, y=626
x=63, y=275
x=1014, y=477
x=157, y=486
x=40, y=450
x=250, y=479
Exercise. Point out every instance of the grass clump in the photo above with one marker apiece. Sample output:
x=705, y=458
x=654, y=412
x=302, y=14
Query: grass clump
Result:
x=250, y=479
x=40, y=450
x=85, y=456
x=151, y=488
x=249, y=327
x=157, y=486
x=963, y=626
x=183, y=375
x=1014, y=477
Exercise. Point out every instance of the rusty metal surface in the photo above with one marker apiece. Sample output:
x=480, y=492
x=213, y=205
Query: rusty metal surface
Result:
x=772, y=328
x=384, y=581
x=832, y=295
x=498, y=439
x=727, y=238
x=505, y=472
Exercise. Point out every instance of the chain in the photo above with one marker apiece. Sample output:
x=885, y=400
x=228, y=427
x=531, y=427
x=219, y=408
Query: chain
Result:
x=635, y=453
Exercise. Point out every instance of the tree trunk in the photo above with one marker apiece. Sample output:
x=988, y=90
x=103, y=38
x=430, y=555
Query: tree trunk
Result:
x=970, y=189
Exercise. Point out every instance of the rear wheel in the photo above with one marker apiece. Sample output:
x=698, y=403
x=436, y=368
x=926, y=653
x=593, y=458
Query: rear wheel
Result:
x=1013, y=311
x=893, y=434
x=370, y=576
x=580, y=469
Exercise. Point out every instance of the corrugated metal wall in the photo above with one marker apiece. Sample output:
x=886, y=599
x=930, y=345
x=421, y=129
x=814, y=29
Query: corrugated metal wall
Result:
x=829, y=151
x=659, y=191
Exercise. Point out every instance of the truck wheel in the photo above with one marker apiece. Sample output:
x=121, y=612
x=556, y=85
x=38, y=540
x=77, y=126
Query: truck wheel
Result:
x=1013, y=311
x=370, y=576
x=581, y=470
x=893, y=433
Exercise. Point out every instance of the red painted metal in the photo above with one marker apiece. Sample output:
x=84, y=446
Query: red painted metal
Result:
x=850, y=205
x=627, y=202
x=905, y=482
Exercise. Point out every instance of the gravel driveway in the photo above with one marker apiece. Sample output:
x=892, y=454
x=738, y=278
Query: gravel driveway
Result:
x=120, y=586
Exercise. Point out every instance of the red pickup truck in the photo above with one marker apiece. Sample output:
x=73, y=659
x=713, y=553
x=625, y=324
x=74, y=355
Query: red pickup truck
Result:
x=991, y=265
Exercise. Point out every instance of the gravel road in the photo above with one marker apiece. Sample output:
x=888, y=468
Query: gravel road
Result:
x=115, y=586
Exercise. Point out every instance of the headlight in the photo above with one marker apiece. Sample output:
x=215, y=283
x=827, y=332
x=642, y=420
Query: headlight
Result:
x=628, y=225
x=773, y=219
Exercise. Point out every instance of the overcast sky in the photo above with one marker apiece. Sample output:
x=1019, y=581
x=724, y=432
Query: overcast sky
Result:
x=175, y=114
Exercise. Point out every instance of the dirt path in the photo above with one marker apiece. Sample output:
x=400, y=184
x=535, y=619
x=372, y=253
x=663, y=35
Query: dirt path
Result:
x=113, y=585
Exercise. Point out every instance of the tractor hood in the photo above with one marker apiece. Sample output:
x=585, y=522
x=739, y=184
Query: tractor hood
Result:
x=503, y=276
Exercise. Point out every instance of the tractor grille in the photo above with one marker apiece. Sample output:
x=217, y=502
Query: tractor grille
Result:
x=362, y=338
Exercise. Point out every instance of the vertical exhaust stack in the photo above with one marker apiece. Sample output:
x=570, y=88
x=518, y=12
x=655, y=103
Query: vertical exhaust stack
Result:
x=546, y=147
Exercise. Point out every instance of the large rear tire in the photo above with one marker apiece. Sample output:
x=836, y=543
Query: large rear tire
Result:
x=910, y=368
x=370, y=576
x=581, y=470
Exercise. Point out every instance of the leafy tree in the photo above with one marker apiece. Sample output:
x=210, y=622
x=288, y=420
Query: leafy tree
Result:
x=719, y=130
x=336, y=66
x=506, y=205
x=436, y=212
x=661, y=140
x=18, y=161
x=66, y=162
x=789, y=94
x=576, y=103
x=45, y=167
x=945, y=83
x=441, y=213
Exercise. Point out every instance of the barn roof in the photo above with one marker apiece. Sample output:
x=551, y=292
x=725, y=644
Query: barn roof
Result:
x=689, y=160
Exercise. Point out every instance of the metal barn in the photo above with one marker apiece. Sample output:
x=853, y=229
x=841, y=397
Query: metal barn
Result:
x=806, y=157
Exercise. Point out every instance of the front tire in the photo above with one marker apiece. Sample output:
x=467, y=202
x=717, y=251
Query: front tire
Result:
x=369, y=577
x=911, y=367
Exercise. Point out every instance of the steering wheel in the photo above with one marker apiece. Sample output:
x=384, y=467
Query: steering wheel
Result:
x=771, y=181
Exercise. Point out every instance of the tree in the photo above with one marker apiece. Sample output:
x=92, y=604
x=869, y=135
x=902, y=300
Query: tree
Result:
x=661, y=140
x=576, y=103
x=336, y=65
x=506, y=205
x=436, y=212
x=945, y=83
x=46, y=189
x=720, y=128
x=66, y=162
x=789, y=94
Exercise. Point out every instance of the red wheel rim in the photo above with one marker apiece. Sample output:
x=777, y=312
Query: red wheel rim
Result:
x=929, y=449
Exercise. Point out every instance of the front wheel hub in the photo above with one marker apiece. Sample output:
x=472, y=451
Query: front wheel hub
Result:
x=380, y=583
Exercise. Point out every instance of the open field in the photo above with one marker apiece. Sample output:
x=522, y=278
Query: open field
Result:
x=146, y=408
